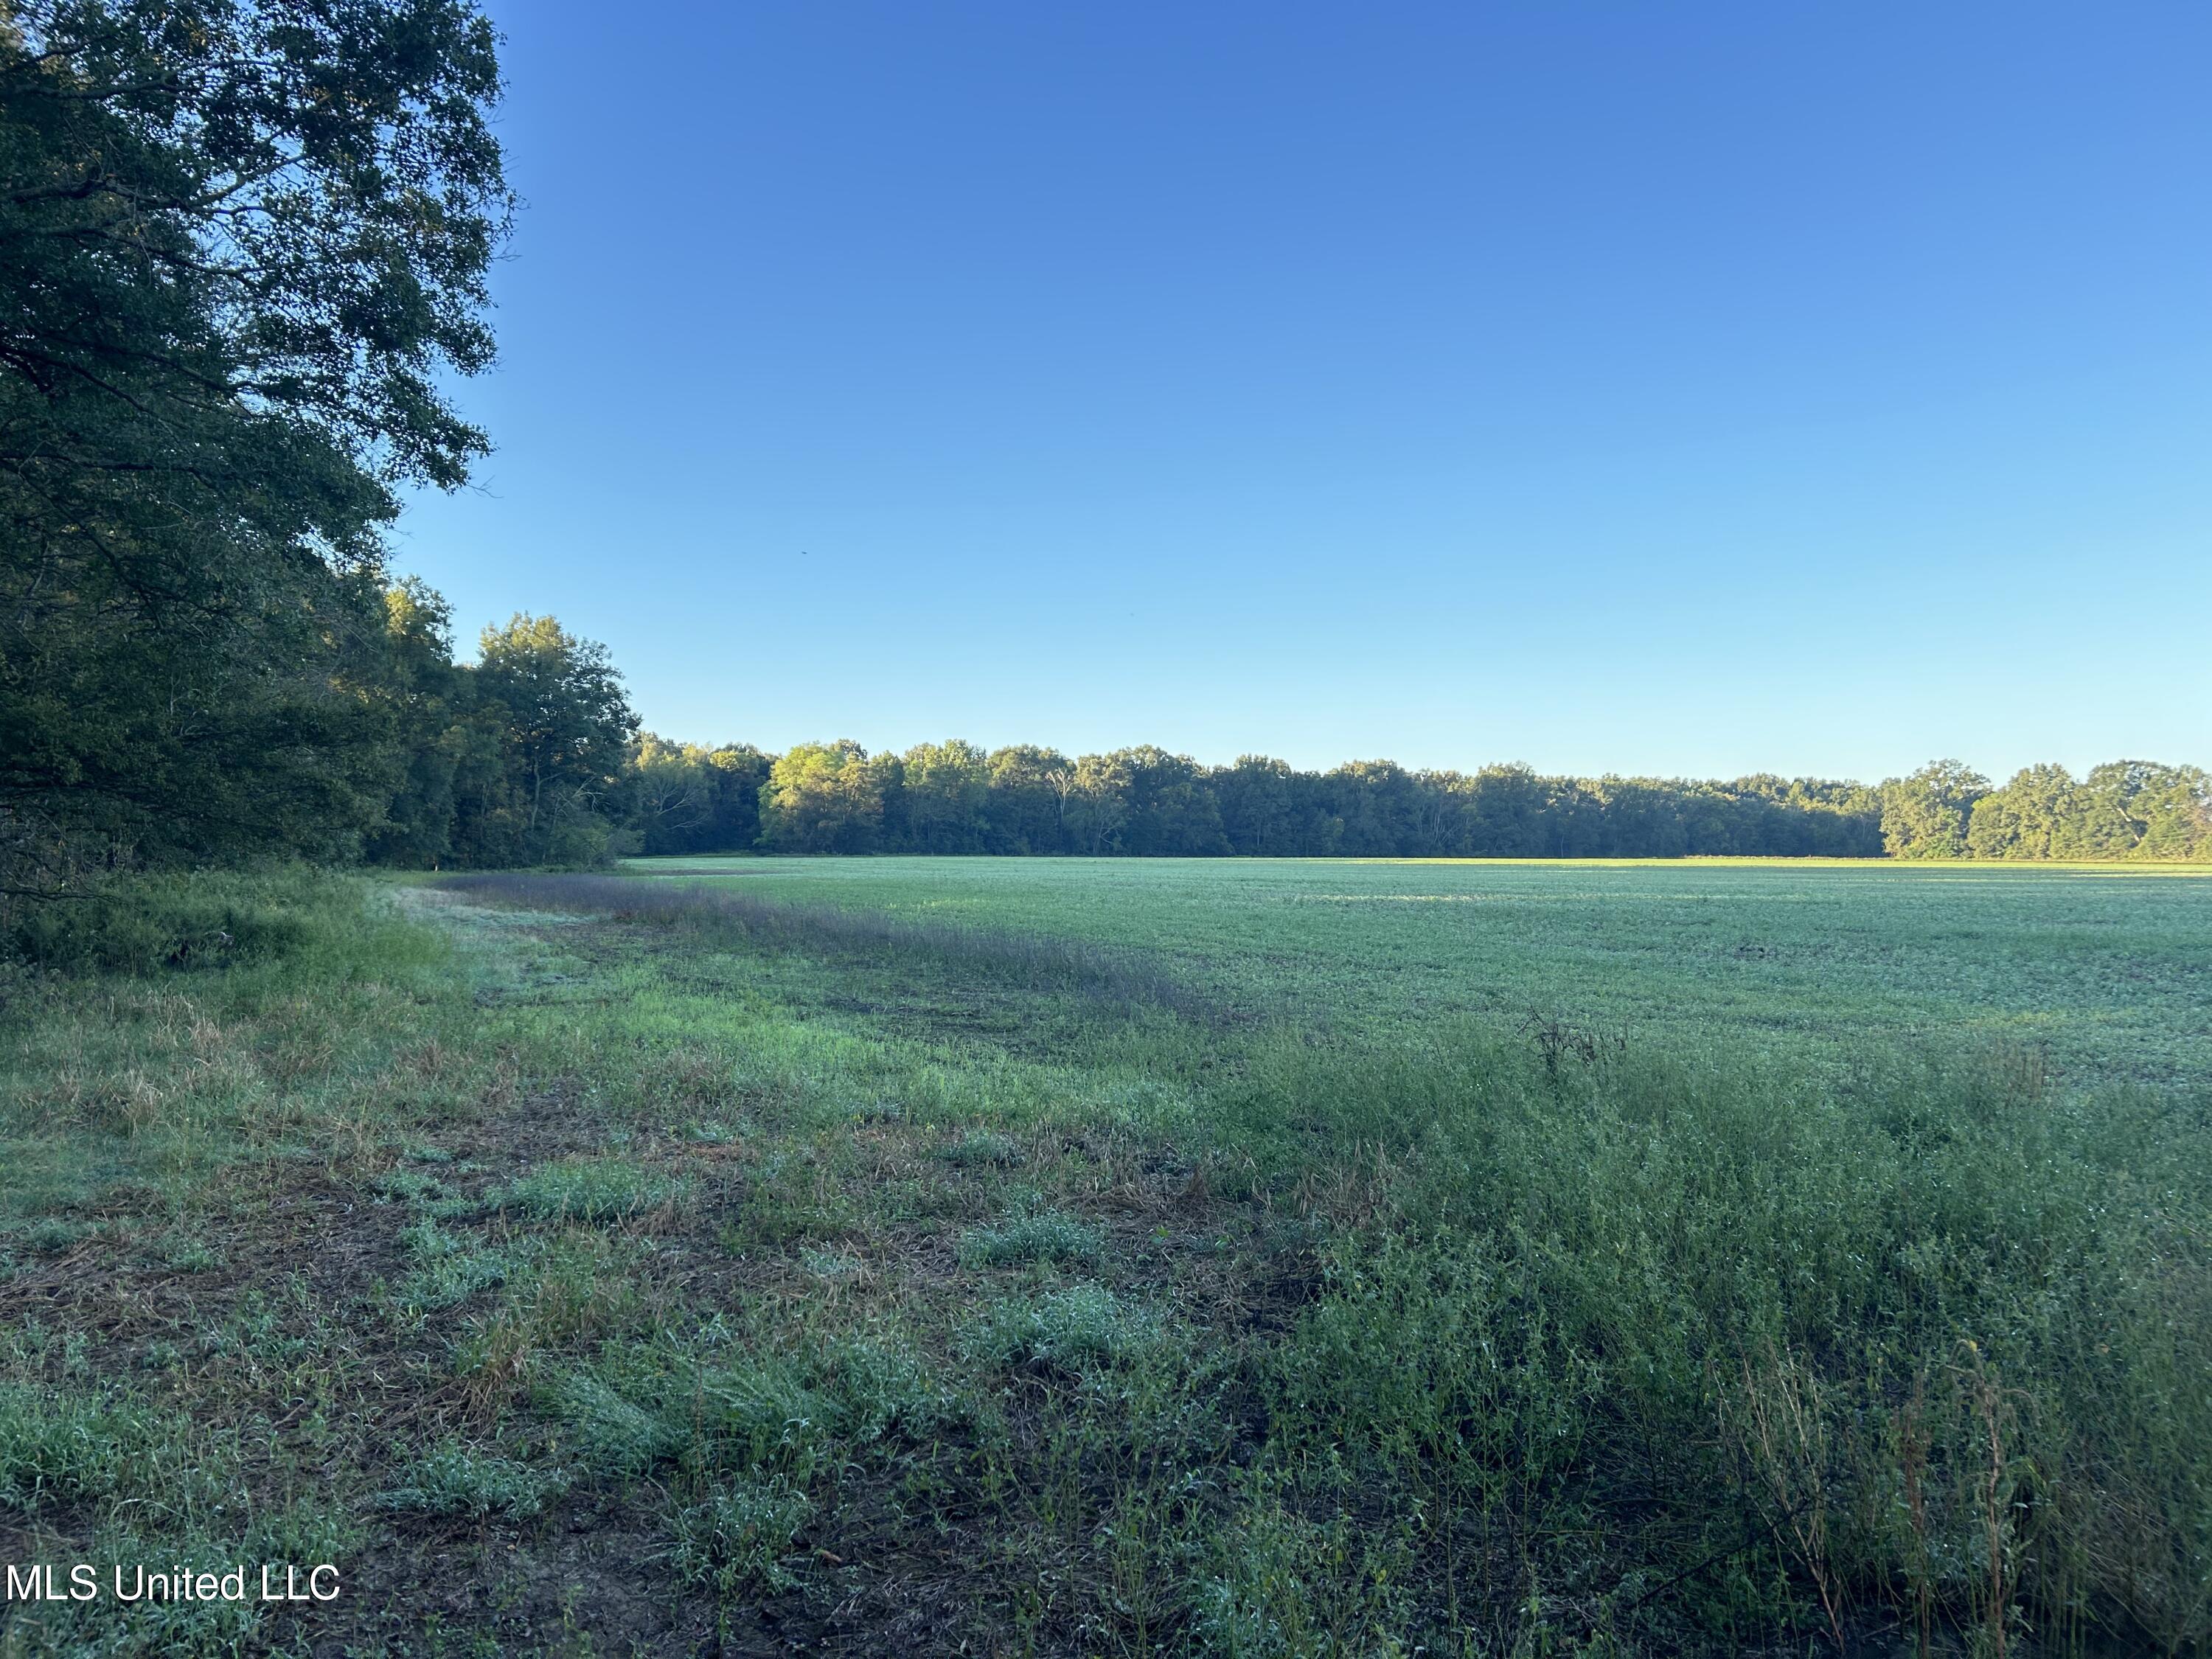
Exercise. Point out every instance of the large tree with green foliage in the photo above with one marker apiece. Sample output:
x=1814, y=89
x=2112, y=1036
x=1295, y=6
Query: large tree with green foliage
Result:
x=1926, y=814
x=687, y=797
x=823, y=797
x=555, y=708
x=241, y=244
x=945, y=786
x=1025, y=799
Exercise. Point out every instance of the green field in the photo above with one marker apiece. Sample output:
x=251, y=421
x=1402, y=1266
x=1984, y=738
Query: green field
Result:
x=1062, y=1256
x=2109, y=968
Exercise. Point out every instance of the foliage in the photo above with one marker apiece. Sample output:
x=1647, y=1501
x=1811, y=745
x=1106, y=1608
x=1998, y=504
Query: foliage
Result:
x=520, y=758
x=173, y=921
x=2122, y=810
x=1072, y=1329
x=1925, y=815
x=685, y=798
x=1050, y=1237
x=60, y=1451
x=823, y=797
x=246, y=243
x=735, y=1540
x=953, y=798
x=592, y=1190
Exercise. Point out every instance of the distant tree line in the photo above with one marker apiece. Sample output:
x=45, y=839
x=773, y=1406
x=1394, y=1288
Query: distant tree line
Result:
x=954, y=797
x=533, y=755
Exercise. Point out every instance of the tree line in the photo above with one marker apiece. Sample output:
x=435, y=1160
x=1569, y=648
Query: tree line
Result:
x=2125, y=809
x=954, y=797
x=533, y=755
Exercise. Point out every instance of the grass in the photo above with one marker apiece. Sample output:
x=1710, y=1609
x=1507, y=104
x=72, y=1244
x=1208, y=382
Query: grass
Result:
x=1053, y=1237
x=1072, y=1330
x=2103, y=968
x=605, y=1190
x=455, y=1481
x=1131, y=1257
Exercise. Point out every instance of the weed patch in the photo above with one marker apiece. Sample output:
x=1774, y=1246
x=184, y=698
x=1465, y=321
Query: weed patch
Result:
x=600, y=1191
x=1050, y=1237
x=738, y=1539
x=456, y=1480
x=1074, y=1329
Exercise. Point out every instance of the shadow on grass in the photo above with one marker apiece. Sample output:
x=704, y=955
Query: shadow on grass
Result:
x=1097, y=972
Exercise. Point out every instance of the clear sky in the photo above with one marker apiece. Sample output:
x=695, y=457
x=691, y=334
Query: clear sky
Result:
x=1690, y=388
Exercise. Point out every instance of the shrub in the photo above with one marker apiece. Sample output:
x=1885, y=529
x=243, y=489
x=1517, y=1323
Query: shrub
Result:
x=612, y=1434
x=145, y=924
x=58, y=1451
x=636, y=1411
x=449, y=1267
x=880, y=1391
x=980, y=1146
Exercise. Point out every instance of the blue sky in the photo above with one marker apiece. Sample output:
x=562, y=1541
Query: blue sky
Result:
x=1691, y=389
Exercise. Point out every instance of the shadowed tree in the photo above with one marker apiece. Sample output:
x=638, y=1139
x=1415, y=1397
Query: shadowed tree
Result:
x=1024, y=799
x=1258, y=810
x=1095, y=804
x=564, y=725
x=244, y=242
x=946, y=784
x=1170, y=811
x=673, y=792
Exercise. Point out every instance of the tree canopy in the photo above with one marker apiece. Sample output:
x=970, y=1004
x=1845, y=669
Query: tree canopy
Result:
x=243, y=241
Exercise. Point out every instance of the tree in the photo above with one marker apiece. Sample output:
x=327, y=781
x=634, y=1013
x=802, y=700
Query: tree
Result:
x=245, y=241
x=1505, y=812
x=429, y=697
x=2176, y=809
x=822, y=798
x=1168, y=808
x=564, y=725
x=687, y=797
x=1925, y=815
x=945, y=785
x=1270, y=809
x=2134, y=809
x=1258, y=812
x=1025, y=793
x=1095, y=803
x=2028, y=818
x=1375, y=801
x=740, y=773
x=673, y=792
x=1641, y=818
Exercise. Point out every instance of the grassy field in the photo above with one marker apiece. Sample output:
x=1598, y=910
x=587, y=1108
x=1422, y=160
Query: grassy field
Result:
x=1127, y=1257
x=2106, y=968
